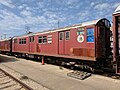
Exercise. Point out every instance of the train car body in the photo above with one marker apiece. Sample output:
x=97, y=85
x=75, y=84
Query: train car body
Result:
x=116, y=40
x=5, y=46
x=86, y=44
x=86, y=41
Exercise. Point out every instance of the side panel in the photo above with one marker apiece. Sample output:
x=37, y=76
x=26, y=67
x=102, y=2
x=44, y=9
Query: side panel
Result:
x=47, y=48
x=80, y=47
x=21, y=47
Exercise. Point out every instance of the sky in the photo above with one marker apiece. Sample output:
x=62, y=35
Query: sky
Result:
x=19, y=16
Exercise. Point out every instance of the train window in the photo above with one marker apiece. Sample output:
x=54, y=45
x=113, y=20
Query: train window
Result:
x=40, y=39
x=22, y=41
x=106, y=22
x=61, y=36
x=90, y=34
x=44, y=39
x=67, y=35
x=49, y=39
x=19, y=41
x=31, y=39
x=80, y=31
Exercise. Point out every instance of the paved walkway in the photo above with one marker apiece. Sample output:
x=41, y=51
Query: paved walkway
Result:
x=54, y=78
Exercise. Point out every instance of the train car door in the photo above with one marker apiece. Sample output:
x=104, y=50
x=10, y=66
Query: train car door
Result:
x=64, y=42
x=67, y=42
x=31, y=44
x=61, y=43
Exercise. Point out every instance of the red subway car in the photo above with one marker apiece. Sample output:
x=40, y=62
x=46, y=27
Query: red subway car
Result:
x=5, y=45
x=86, y=44
x=86, y=41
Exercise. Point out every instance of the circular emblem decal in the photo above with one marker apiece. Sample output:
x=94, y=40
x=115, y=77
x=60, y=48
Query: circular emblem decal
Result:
x=80, y=38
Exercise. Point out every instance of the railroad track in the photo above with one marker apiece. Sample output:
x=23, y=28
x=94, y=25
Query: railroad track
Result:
x=8, y=82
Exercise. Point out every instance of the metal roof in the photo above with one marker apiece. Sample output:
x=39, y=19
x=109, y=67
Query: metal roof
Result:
x=61, y=29
x=5, y=39
x=70, y=27
x=117, y=10
x=94, y=22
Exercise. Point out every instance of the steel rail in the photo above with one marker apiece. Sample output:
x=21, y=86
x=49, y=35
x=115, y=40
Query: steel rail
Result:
x=16, y=80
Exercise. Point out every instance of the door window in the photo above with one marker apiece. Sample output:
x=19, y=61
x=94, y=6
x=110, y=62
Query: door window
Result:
x=61, y=36
x=67, y=35
x=31, y=39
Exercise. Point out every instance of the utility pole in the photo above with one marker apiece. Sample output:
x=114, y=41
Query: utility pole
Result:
x=1, y=37
x=27, y=29
x=5, y=36
x=58, y=23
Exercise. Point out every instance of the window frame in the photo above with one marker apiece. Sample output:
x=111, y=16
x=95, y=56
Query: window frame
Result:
x=22, y=41
x=31, y=39
x=44, y=38
x=90, y=34
x=66, y=35
x=61, y=33
x=40, y=39
x=49, y=39
x=81, y=29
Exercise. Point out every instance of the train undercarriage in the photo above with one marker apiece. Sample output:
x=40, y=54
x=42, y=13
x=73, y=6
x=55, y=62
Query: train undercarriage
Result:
x=102, y=64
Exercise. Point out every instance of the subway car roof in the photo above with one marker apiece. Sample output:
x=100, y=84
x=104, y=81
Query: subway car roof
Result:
x=94, y=22
x=5, y=39
x=117, y=10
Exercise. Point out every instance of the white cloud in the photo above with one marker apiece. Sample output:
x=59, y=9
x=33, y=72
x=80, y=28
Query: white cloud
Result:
x=83, y=14
x=7, y=3
x=41, y=15
x=102, y=6
x=26, y=13
x=22, y=6
x=40, y=4
x=11, y=21
x=70, y=2
x=92, y=3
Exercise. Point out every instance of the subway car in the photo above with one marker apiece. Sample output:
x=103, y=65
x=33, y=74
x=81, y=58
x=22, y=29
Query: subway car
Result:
x=86, y=45
x=6, y=46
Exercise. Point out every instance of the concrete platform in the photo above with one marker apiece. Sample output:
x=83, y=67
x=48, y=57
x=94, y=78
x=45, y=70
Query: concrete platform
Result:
x=54, y=78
